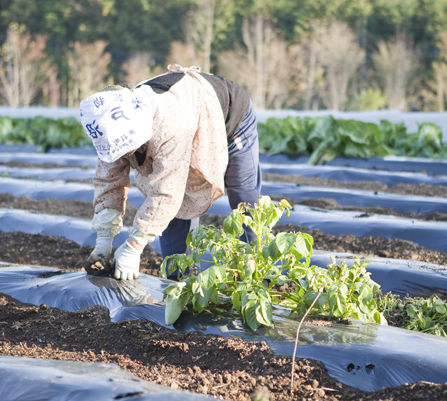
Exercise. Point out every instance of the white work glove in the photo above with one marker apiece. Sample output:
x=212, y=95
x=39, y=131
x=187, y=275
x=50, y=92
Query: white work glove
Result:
x=127, y=257
x=100, y=257
x=127, y=262
x=107, y=223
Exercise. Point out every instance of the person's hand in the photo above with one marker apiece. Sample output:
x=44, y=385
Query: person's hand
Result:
x=100, y=257
x=127, y=261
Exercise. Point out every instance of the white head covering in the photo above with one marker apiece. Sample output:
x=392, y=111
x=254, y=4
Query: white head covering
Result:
x=119, y=122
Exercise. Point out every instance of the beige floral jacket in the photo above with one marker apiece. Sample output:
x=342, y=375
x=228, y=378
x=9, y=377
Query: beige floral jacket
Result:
x=185, y=164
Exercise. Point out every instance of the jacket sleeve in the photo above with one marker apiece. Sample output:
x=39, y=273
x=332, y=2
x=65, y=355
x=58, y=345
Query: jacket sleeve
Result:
x=165, y=186
x=112, y=185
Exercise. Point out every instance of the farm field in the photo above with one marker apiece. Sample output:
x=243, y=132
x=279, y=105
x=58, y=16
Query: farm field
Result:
x=229, y=368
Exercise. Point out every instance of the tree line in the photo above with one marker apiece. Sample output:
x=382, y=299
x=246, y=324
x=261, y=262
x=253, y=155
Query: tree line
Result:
x=303, y=54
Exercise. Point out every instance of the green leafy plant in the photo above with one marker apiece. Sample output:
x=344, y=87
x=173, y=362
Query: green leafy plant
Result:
x=325, y=138
x=44, y=132
x=248, y=274
x=417, y=314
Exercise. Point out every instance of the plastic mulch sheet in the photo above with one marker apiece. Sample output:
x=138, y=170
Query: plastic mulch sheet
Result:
x=54, y=158
x=393, y=163
x=41, y=189
x=39, y=379
x=77, y=230
x=81, y=157
x=348, y=174
x=18, y=148
x=356, y=197
x=425, y=233
x=36, y=189
x=366, y=356
x=341, y=173
x=399, y=276
x=63, y=173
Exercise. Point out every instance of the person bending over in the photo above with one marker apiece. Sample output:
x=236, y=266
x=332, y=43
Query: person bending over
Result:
x=189, y=136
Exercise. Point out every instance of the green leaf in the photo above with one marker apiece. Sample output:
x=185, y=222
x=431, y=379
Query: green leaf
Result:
x=249, y=268
x=309, y=298
x=273, y=250
x=236, y=299
x=250, y=316
x=337, y=305
x=282, y=279
x=285, y=242
x=265, y=252
x=175, y=305
x=440, y=308
x=301, y=246
x=233, y=224
x=214, y=297
x=266, y=312
x=220, y=272
x=208, y=277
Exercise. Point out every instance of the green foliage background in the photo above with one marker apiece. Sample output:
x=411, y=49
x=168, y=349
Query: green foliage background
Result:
x=151, y=25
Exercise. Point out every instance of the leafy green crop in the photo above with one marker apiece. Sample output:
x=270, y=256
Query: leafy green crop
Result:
x=325, y=138
x=417, y=314
x=248, y=273
x=44, y=132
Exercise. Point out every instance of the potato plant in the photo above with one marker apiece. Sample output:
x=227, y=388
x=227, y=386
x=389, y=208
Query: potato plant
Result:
x=249, y=274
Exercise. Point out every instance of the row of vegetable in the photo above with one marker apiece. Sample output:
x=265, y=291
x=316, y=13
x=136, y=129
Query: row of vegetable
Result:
x=323, y=138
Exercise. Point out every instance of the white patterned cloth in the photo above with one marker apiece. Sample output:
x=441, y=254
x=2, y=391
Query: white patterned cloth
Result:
x=185, y=160
x=118, y=122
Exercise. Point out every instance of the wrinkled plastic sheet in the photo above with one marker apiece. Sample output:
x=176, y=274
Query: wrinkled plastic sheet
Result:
x=393, y=163
x=349, y=174
x=87, y=150
x=34, y=111
x=429, y=234
x=39, y=379
x=399, y=276
x=366, y=356
x=18, y=148
x=63, y=173
x=47, y=173
x=35, y=189
x=54, y=158
x=342, y=173
x=356, y=197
